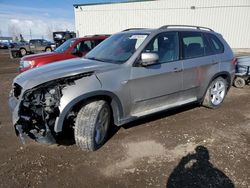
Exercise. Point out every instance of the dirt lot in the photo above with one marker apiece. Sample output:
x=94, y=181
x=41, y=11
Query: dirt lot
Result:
x=158, y=151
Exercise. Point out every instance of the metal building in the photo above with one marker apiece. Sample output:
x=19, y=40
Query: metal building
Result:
x=231, y=18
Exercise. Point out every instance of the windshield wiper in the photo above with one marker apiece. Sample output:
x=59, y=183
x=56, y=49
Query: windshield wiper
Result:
x=105, y=60
x=93, y=58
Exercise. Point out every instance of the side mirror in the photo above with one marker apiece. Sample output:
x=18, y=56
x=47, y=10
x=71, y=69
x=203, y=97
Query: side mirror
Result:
x=149, y=59
x=75, y=51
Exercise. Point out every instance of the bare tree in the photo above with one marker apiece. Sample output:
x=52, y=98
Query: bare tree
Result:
x=50, y=29
x=49, y=32
x=14, y=31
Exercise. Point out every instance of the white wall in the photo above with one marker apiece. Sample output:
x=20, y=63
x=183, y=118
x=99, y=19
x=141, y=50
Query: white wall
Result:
x=231, y=18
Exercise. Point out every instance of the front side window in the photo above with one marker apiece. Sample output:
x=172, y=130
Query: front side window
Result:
x=166, y=45
x=32, y=42
x=192, y=45
x=117, y=48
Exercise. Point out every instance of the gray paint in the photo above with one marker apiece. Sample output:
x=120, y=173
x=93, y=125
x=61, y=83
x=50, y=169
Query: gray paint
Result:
x=135, y=91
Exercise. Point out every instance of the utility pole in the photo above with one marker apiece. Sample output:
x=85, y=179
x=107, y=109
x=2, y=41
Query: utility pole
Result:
x=30, y=34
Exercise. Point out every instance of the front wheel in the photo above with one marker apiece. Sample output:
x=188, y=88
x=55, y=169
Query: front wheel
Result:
x=215, y=93
x=91, y=126
x=48, y=50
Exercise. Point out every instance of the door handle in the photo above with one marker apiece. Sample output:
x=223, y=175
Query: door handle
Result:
x=177, y=70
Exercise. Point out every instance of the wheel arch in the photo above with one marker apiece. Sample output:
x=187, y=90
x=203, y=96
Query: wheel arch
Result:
x=223, y=74
x=47, y=48
x=111, y=98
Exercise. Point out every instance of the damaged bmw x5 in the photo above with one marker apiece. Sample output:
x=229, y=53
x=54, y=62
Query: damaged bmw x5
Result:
x=131, y=74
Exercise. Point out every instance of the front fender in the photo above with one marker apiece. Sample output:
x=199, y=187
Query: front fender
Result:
x=115, y=105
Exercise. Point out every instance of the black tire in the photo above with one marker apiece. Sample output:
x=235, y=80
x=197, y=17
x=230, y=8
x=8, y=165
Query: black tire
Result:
x=23, y=51
x=239, y=82
x=213, y=98
x=87, y=135
x=48, y=49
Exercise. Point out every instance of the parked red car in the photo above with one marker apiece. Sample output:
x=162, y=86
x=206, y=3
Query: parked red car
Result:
x=72, y=48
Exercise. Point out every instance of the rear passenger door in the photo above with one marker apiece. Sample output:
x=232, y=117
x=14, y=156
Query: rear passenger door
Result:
x=198, y=62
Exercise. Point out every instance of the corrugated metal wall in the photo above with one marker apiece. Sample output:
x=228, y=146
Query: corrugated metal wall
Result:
x=231, y=18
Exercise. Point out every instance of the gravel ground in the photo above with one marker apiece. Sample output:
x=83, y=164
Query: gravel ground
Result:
x=189, y=147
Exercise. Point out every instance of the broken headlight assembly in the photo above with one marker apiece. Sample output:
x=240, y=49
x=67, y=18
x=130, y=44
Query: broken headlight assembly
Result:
x=39, y=109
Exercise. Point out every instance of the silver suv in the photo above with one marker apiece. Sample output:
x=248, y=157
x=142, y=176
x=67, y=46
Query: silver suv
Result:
x=131, y=74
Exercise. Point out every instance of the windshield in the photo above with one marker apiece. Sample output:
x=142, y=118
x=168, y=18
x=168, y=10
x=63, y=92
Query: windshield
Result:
x=66, y=45
x=117, y=48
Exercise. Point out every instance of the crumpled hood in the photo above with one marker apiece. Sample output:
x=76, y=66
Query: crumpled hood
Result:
x=60, y=69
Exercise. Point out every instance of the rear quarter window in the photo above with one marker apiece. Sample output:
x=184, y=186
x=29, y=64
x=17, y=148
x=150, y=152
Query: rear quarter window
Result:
x=215, y=43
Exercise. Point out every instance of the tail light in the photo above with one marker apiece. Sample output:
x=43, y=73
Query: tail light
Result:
x=234, y=61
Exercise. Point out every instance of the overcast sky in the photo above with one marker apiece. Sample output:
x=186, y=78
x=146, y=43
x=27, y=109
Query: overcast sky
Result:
x=38, y=16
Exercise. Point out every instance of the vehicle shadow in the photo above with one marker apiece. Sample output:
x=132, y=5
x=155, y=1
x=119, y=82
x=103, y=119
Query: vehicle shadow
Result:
x=160, y=115
x=196, y=171
x=67, y=137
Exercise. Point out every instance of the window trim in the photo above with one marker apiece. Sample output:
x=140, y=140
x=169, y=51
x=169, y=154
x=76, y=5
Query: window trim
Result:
x=137, y=63
x=182, y=44
x=204, y=36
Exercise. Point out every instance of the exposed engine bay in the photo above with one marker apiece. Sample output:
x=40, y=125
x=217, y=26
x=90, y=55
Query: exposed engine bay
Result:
x=39, y=109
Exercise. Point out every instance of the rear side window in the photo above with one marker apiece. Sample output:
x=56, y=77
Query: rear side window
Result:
x=192, y=45
x=215, y=43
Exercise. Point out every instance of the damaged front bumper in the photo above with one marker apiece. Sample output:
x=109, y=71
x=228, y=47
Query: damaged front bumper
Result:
x=21, y=125
x=28, y=116
x=35, y=111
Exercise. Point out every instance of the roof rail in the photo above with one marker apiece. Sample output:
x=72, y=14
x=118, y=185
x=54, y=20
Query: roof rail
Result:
x=187, y=26
x=129, y=29
x=97, y=35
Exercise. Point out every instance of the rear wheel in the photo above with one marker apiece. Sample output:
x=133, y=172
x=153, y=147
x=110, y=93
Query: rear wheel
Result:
x=239, y=82
x=92, y=123
x=215, y=93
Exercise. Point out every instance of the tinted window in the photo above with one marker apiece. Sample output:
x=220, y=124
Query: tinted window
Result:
x=32, y=42
x=207, y=46
x=97, y=42
x=192, y=45
x=166, y=46
x=85, y=46
x=216, y=44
